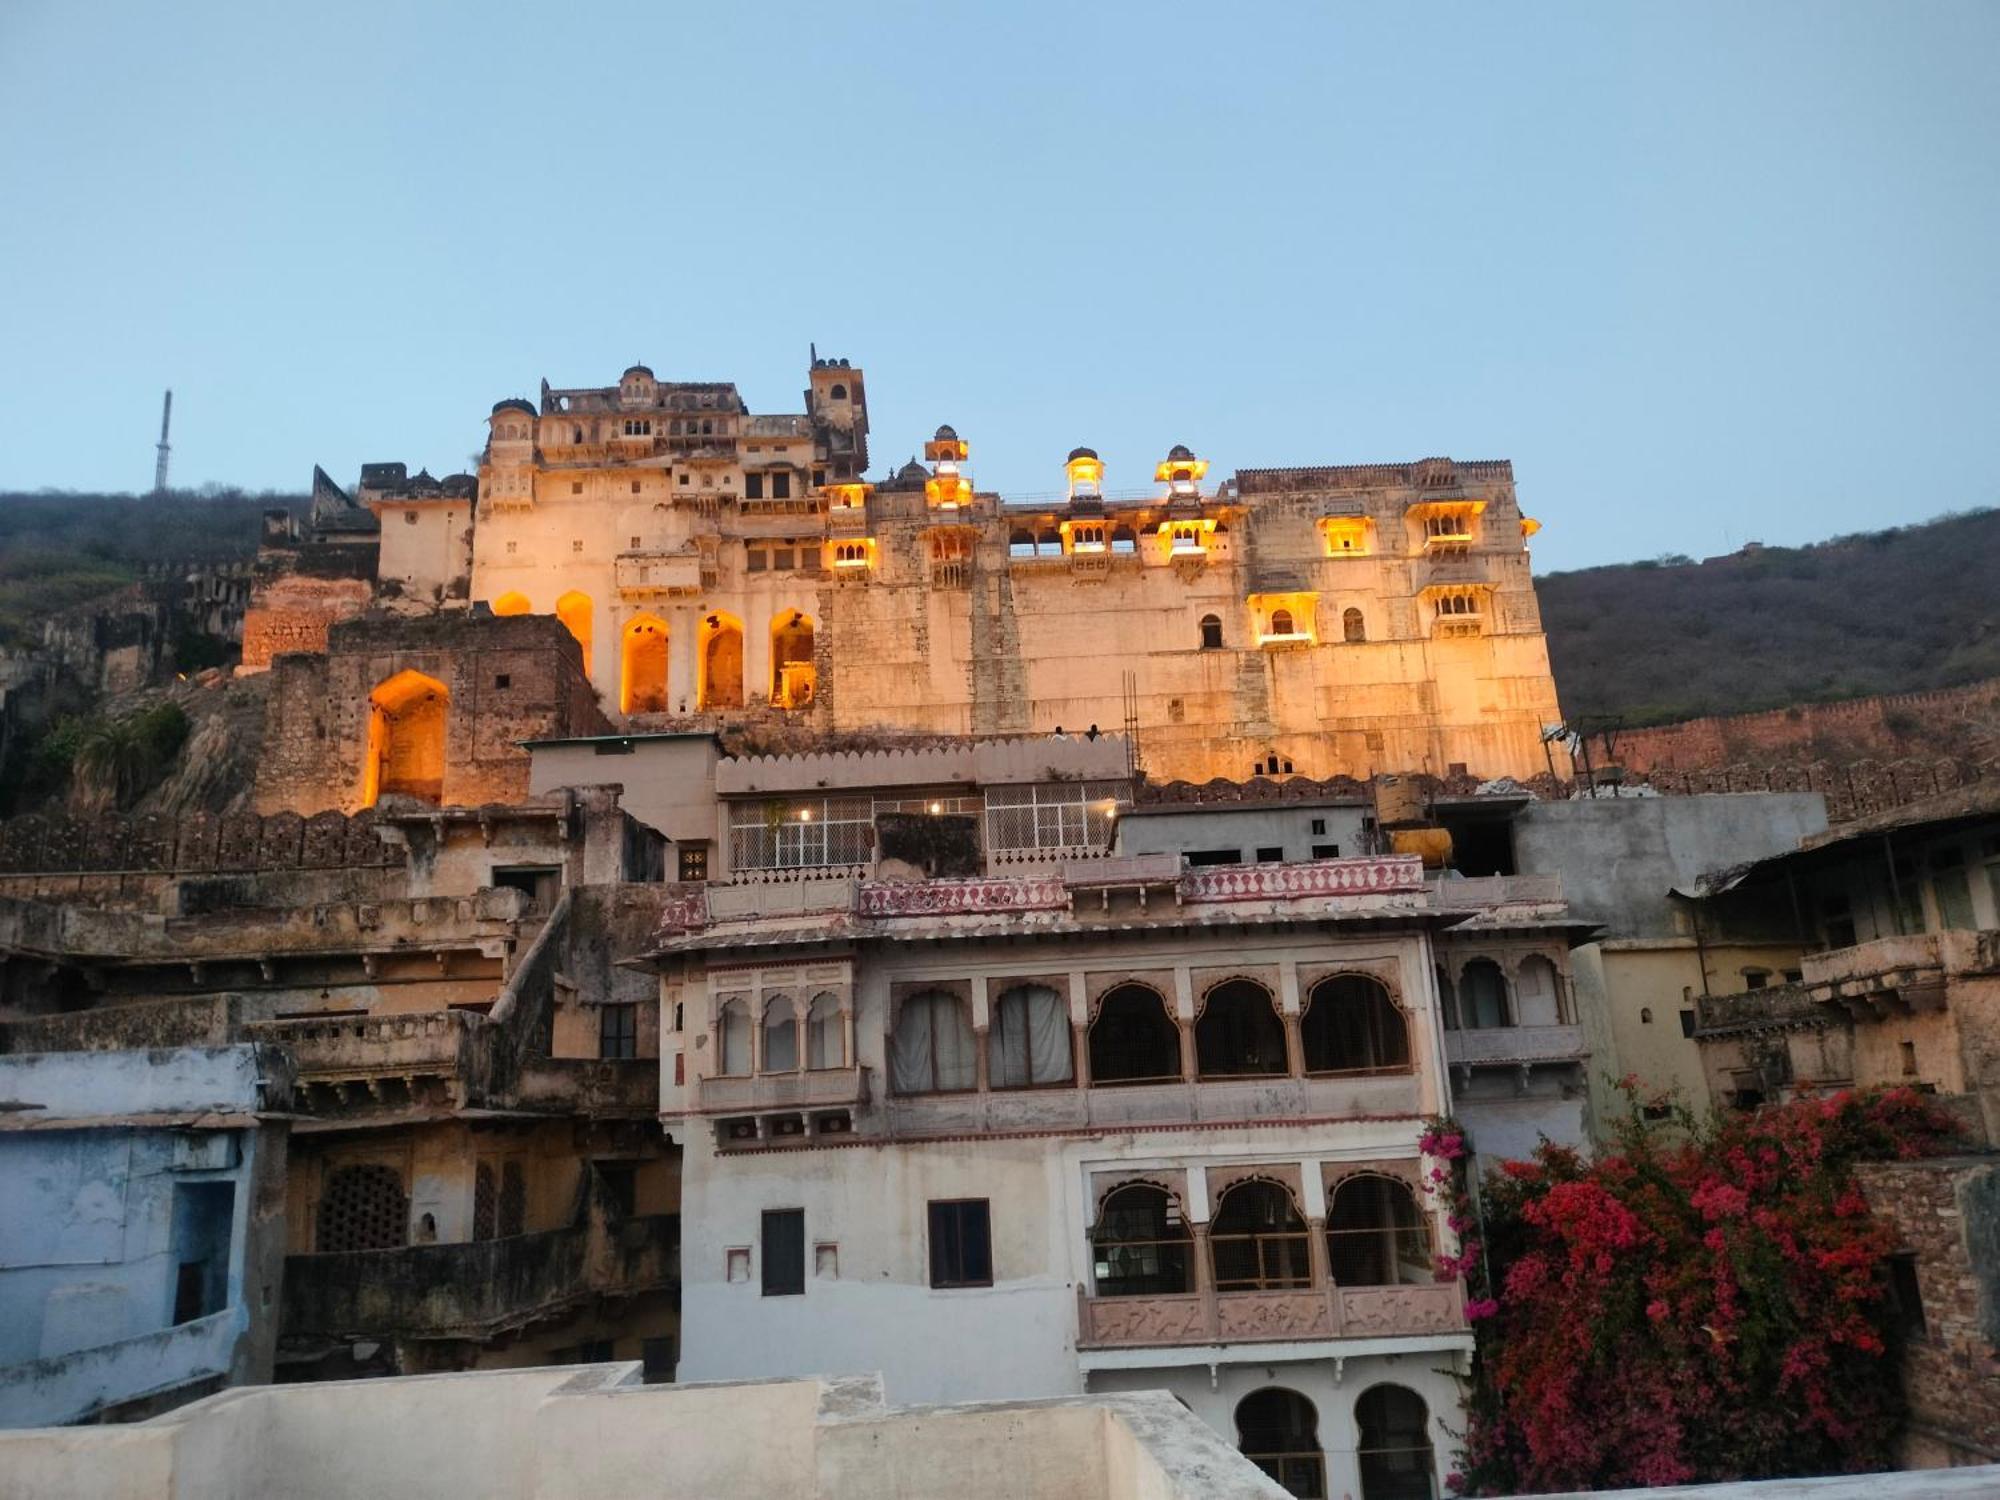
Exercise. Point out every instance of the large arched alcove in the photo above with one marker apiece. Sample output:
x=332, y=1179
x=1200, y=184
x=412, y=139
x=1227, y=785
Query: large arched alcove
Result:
x=719, y=661
x=1351, y=1025
x=1134, y=1038
x=406, y=739
x=1238, y=1034
x=642, y=670
x=574, y=610
x=1278, y=1431
x=1394, y=1447
x=512, y=603
x=792, y=672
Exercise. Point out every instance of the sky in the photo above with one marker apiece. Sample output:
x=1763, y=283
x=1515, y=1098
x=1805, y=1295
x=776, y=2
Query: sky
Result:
x=1707, y=273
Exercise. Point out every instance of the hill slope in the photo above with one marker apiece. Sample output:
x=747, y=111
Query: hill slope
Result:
x=1881, y=612
x=62, y=548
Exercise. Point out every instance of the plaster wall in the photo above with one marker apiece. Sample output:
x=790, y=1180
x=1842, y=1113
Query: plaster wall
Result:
x=668, y=781
x=1619, y=857
x=425, y=548
x=1246, y=830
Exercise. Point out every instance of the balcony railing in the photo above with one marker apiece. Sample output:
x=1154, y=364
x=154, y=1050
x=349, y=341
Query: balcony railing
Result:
x=66, y=1388
x=432, y=1041
x=1130, y=1106
x=1754, y=1010
x=1310, y=1313
x=1312, y=878
x=479, y=1288
x=1503, y=1046
x=814, y=1088
x=657, y=575
x=1485, y=892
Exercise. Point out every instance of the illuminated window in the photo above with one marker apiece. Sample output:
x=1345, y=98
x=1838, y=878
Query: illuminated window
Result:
x=1281, y=622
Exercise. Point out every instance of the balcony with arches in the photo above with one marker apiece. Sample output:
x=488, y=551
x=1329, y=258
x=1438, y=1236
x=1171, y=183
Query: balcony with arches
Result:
x=1278, y=1253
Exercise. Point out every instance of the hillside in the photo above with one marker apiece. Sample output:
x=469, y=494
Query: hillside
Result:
x=59, y=548
x=1894, y=611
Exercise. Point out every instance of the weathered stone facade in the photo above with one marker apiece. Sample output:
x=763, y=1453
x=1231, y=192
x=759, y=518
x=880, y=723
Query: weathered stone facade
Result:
x=502, y=681
x=1948, y=1214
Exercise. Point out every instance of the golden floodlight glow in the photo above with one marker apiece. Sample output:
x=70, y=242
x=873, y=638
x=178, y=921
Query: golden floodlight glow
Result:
x=1086, y=472
x=948, y=491
x=848, y=496
x=1346, y=536
x=1529, y=526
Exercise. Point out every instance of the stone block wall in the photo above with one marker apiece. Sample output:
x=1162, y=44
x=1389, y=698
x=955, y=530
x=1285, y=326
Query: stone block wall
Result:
x=506, y=680
x=1947, y=1213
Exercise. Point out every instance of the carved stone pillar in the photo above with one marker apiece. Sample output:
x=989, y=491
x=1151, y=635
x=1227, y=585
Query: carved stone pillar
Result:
x=1322, y=1269
x=979, y=1036
x=1204, y=1277
x=1295, y=1049
x=1190, y=1067
x=1080, y=1048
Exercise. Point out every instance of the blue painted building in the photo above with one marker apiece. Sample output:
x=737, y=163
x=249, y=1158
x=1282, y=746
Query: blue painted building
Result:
x=142, y=1237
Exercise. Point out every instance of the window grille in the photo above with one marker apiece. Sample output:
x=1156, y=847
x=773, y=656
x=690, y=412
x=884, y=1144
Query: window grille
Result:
x=803, y=834
x=1065, y=815
x=363, y=1208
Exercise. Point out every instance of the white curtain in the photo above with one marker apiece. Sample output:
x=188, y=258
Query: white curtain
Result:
x=932, y=1049
x=1535, y=989
x=781, y=1036
x=826, y=1037
x=735, y=1046
x=1030, y=1039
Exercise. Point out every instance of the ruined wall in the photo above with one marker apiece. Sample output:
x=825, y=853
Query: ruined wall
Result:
x=1948, y=1215
x=294, y=613
x=1889, y=727
x=1855, y=790
x=507, y=680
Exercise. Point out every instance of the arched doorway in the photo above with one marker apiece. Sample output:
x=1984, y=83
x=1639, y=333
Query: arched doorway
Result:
x=1278, y=1431
x=1238, y=1033
x=1134, y=1039
x=512, y=603
x=1258, y=1241
x=573, y=609
x=1395, y=1445
x=720, y=656
x=792, y=671
x=642, y=669
x=406, y=729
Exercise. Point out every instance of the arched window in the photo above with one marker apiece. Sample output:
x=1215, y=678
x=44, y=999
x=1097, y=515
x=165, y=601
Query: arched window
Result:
x=1394, y=1446
x=1238, y=1033
x=1140, y=1244
x=792, y=669
x=1447, y=999
x=1211, y=633
x=933, y=1048
x=781, y=1035
x=1352, y=1026
x=838, y=392
x=1645, y=1015
x=642, y=667
x=1482, y=999
x=406, y=734
x=732, y=1048
x=1134, y=1038
x=1376, y=1235
x=573, y=609
x=1048, y=544
x=362, y=1207
x=826, y=1033
x=1538, y=992
x=1281, y=622
x=1029, y=1044
x=1258, y=1241
x=1278, y=1431
x=1021, y=544
x=1123, y=542
x=720, y=658
x=1352, y=626
x=512, y=603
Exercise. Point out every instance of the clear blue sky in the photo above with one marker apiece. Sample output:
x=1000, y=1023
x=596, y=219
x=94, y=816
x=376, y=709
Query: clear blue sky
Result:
x=1705, y=272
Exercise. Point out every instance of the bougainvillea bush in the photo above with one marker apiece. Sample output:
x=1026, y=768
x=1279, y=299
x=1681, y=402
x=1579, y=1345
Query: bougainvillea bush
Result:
x=1707, y=1308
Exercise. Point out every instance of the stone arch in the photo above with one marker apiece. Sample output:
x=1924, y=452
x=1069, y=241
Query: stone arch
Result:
x=1483, y=998
x=1140, y=1243
x=933, y=1048
x=1258, y=1238
x=793, y=674
x=1237, y=1033
x=778, y=1039
x=513, y=602
x=407, y=716
x=826, y=1031
x=1377, y=1233
x=1538, y=999
x=574, y=609
x=1352, y=1024
x=732, y=1034
x=642, y=666
x=1277, y=1429
x=1393, y=1444
x=719, y=661
x=1134, y=1037
x=1353, y=625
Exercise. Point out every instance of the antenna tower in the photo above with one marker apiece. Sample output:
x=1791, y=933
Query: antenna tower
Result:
x=160, y=465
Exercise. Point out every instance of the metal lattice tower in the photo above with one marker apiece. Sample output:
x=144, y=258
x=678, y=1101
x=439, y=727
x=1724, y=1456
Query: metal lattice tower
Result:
x=160, y=465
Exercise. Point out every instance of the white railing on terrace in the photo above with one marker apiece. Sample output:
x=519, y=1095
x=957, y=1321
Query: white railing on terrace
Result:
x=1452, y=891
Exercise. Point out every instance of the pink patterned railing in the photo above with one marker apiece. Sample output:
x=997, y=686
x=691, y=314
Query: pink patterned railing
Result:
x=947, y=898
x=1359, y=1312
x=1320, y=877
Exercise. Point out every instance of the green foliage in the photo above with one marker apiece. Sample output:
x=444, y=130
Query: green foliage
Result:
x=104, y=763
x=1885, y=612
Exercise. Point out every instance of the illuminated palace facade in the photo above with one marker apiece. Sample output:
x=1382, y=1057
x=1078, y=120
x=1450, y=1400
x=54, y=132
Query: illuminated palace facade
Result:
x=716, y=564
